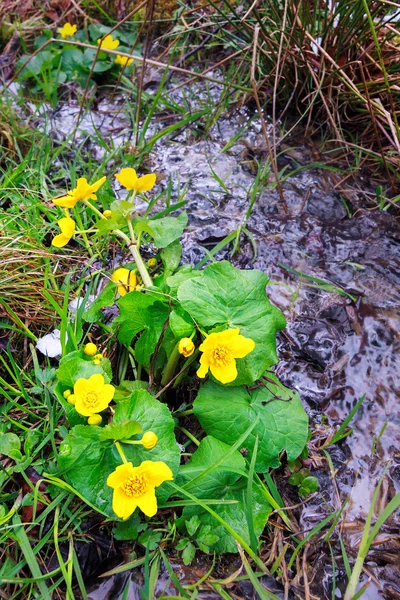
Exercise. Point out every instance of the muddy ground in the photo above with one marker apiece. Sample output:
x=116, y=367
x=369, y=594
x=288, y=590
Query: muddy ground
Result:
x=336, y=347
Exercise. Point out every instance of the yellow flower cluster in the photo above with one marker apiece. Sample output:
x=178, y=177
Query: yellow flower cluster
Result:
x=85, y=191
x=133, y=486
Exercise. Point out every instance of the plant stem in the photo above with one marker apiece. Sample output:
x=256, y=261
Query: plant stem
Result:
x=131, y=243
x=83, y=232
x=170, y=367
x=121, y=452
x=189, y=435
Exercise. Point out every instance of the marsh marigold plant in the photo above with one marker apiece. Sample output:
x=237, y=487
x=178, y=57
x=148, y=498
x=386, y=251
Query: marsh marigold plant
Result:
x=135, y=487
x=220, y=351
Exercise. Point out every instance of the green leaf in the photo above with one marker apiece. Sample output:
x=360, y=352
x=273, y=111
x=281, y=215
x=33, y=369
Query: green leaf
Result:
x=192, y=525
x=185, y=273
x=141, y=313
x=181, y=323
x=86, y=462
x=215, y=483
x=171, y=257
x=226, y=297
x=225, y=481
x=283, y=423
x=72, y=367
x=308, y=486
x=164, y=231
x=9, y=444
x=123, y=431
x=128, y=530
x=121, y=209
x=189, y=553
x=105, y=298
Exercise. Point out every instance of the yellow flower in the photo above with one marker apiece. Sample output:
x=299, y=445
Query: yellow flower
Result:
x=123, y=60
x=125, y=279
x=83, y=191
x=135, y=486
x=149, y=440
x=129, y=180
x=67, y=31
x=67, y=226
x=186, y=347
x=90, y=349
x=108, y=43
x=152, y=262
x=219, y=353
x=91, y=395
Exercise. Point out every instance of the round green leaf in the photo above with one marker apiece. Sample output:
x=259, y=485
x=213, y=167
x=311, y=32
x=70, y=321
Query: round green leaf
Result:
x=226, y=297
x=282, y=425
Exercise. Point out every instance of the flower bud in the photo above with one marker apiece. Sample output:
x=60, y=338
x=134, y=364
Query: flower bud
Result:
x=152, y=262
x=71, y=399
x=90, y=349
x=67, y=393
x=94, y=420
x=97, y=359
x=149, y=440
x=186, y=347
x=107, y=214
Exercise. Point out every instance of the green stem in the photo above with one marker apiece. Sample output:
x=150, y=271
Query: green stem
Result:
x=189, y=435
x=83, y=232
x=170, y=367
x=131, y=442
x=121, y=452
x=131, y=243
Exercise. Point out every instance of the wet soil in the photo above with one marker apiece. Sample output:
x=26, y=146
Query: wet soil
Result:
x=336, y=348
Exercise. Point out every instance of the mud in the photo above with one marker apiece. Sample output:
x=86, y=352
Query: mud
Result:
x=339, y=345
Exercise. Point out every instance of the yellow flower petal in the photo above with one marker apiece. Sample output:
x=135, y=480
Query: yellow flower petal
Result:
x=226, y=373
x=108, y=392
x=96, y=383
x=121, y=474
x=97, y=184
x=148, y=502
x=67, y=226
x=242, y=346
x=67, y=201
x=204, y=366
x=127, y=178
x=146, y=182
x=123, y=505
x=60, y=240
x=156, y=472
x=80, y=386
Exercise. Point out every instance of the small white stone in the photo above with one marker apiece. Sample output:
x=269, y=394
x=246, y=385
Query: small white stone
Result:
x=50, y=344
